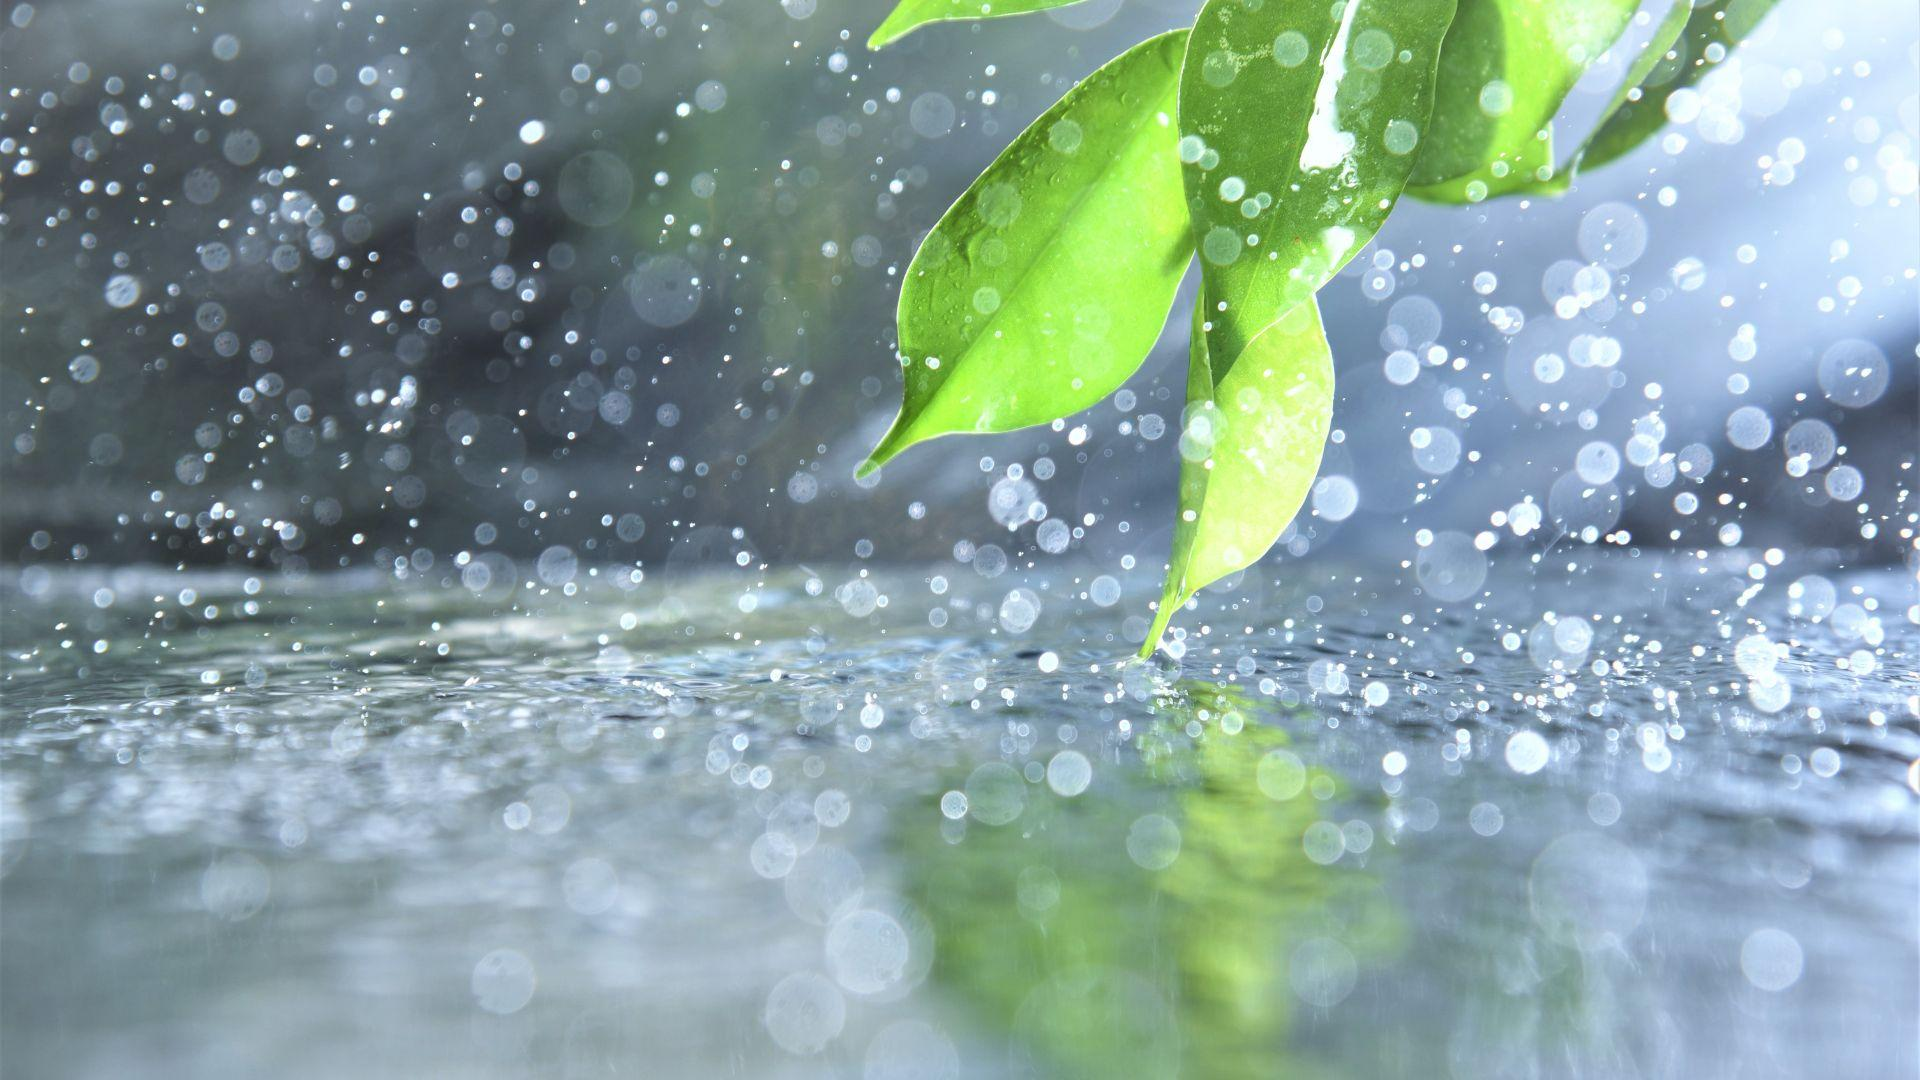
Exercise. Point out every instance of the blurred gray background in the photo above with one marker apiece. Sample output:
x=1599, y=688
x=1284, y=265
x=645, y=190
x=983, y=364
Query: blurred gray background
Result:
x=297, y=285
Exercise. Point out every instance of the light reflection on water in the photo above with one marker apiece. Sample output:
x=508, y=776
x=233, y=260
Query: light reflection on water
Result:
x=418, y=832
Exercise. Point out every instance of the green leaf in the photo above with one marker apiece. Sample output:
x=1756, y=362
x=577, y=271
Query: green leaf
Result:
x=1690, y=42
x=1299, y=122
x=1528, y=168
x=1505, y=68
x=1250, y=448
x=911, y=15
x=1046, y=284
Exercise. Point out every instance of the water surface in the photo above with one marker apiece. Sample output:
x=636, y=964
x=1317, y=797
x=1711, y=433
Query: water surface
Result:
x=1651, y=816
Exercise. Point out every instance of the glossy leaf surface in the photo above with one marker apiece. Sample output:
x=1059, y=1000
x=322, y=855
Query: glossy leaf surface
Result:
x=1505, y=68
x=1300, y=121
x=1691, y=41
x=910, y=15
x=1046, y=284
x=1250, y=449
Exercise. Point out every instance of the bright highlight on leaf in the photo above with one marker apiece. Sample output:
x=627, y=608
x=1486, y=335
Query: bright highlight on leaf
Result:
x=1299, y=125
x=1046, y=284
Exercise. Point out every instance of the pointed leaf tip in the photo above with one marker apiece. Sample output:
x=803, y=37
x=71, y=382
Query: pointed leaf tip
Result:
x=1270, y=414
x=879, y=454
x=888, y=448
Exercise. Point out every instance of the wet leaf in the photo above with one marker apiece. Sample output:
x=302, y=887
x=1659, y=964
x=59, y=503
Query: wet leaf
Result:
x=910, y=15
x=1691, y=41
x=1250, y=448
x=1521, y=171
x=1505, y=68
x=1046, y=284
x=1300, y=123
x=1688, y=43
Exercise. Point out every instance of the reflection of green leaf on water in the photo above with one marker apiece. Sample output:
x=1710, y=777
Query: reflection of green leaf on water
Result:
x=1549, y=978
x=1049, y=927
x=1537, y=1007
